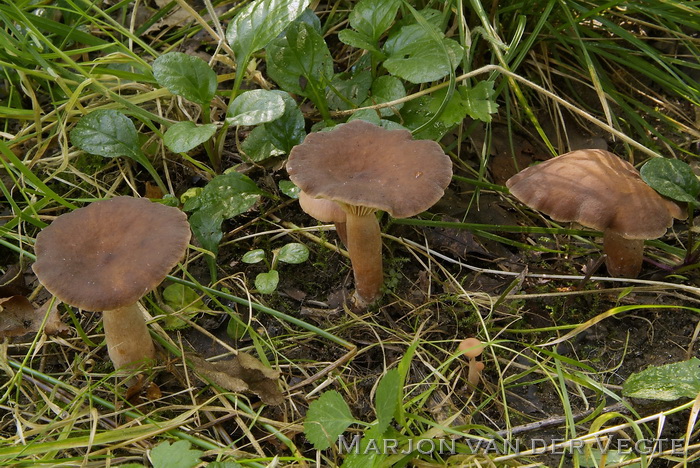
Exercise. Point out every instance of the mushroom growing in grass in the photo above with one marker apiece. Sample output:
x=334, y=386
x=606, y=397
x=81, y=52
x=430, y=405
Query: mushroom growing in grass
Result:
x=599, y=190
x=364, y=168
x=106, y=257
x=472, y=348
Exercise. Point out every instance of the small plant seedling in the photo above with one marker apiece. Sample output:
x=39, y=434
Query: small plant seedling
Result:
x=266, y=283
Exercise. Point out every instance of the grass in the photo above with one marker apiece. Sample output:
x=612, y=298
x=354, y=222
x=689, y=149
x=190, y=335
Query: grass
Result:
x=560, y=343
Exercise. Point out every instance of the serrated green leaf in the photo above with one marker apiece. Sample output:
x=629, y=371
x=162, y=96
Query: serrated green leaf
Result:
x=326, y=419
x=387, y=398
x=258, y=23
x=255, y=107
x=187, y=76
x=253, y=256
x=266, y=283
x=361, y=457
x=666, y=383
x=288, y=188
x=183, y=136
x=107, y=133
x=672, y=178
x=414, y=54
x=479, y=101
x=300, y=62
x=293, y=253
x=177, y=455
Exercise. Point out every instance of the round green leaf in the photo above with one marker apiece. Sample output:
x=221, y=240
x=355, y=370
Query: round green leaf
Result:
x=183, y=136
x=266, y=283
x=293, y=253
x=255, y=107
x=672, y=178
x=107, y=133
x=288, y=188
x=254, y=256
x=187, y=76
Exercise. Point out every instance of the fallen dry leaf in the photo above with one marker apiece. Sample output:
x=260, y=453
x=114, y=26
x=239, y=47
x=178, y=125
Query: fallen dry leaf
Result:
x=241, y=374
x=12, y=282
x=19, y=317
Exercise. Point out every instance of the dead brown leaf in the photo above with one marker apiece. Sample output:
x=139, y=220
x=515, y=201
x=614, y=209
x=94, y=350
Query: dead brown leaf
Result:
x=241, y=374
x=19, y=317
x=12, y=282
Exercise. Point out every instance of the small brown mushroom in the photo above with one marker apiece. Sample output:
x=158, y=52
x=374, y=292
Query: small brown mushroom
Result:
x=326, y=211
x=364, y=168
x=599, y=190
x=472, y=348
x=106, y=257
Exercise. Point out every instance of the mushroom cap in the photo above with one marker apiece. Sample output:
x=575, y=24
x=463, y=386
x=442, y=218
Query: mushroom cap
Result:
x=323, y=210
x=362, y=164
x=471, y=347
x=110, y=253
x=597, y=189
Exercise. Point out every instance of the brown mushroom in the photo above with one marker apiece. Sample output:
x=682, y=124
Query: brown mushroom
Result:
x=472, y=348
x=106, y=257
x=364, y=168
x=326, y=211
x=599, y=190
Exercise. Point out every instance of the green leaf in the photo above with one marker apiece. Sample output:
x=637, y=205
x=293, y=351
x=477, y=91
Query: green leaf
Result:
x=255, y=107
x=416, y=56
x=357, y=40
x=177, y=455
x=266, y=283
x=182, y=299
x=107, y=133
x=258, y=23
x=479, y=101
x=293, y=253
x=666, y=383
x=225, y=196
x=254, y=256
x=187, y=76
x=224, y=464
x=326, y=419
x=476, y=102
x=384, y=89
x=183, y=136
x=387, y=398
x=348, y=92
x=371, y=18
x=416, y=112
x=301, y=63
x=288, y=188
x=672, y=178
x=279, y=136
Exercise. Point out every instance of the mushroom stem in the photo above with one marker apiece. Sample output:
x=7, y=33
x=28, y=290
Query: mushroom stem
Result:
x=623, y=256
x=364, y=242
x=341, y=230
x=128, y=342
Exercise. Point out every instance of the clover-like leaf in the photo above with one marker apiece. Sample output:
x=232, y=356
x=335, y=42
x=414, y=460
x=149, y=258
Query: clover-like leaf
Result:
x=187, y=76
